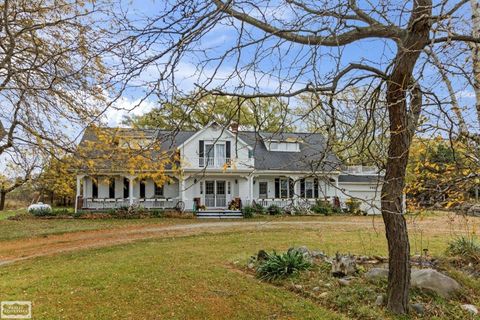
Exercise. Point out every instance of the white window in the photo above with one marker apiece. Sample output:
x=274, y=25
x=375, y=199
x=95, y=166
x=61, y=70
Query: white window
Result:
x=308, y=188
x=263, y=189
x=283, y=188
x=284, y=146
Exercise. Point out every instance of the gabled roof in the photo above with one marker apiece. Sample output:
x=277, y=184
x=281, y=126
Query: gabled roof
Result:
x=197, y=133
x=313, y=155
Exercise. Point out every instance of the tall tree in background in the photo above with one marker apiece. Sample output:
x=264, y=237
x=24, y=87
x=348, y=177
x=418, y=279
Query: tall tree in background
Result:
x=285, y=48
x=49, y=71
x=20, y=168
x=359, y=133
x=192, y=113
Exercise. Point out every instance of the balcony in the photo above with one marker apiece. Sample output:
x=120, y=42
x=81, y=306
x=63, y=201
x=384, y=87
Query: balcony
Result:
x=218, y=163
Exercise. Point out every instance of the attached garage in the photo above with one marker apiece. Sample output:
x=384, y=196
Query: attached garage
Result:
x=365, y=188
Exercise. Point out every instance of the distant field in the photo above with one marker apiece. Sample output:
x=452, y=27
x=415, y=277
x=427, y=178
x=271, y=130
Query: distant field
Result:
x=191, y=276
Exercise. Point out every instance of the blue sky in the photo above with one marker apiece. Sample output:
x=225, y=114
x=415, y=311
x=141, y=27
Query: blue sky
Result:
x=276, y=64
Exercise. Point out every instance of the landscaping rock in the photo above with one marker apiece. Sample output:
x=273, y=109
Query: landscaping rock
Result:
x=470, y=308
x=298, y=287
x=302, y=250
x=323, y=295
x=433, y=280
x=380, y=300
x=262, y=255
x=251, y=266
x=316, y=289
x=418, y=308
x=318, y=255
x=375, y=274
x=343, y=265
x=474, y=210
x=343, y=282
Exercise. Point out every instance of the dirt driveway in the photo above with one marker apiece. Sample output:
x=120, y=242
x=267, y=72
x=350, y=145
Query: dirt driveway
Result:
x=22, y=249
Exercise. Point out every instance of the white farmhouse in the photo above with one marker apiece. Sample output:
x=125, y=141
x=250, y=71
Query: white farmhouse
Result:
x=217, y=166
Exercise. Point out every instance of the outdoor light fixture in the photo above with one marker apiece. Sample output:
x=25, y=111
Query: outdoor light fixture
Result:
x=236, y=181
x=195, y=180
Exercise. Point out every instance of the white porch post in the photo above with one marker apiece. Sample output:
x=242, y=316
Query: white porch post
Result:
x=79, y=186
x=181, y=188
x=295, y=189
x=131, y=179
x=336, y=187
x=250, y=189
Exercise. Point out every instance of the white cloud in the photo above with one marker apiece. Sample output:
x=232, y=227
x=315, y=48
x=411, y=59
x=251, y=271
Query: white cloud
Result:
x=465, y=94
x=127, y=107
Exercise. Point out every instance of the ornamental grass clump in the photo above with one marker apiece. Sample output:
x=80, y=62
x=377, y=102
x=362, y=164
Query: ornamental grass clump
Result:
x=465, y=247
x=280, y=266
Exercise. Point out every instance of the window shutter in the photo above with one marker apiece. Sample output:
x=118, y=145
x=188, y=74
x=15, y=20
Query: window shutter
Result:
x=201, y=147
x=302, y=188
x=228, y=151
x=94, y=188
x=291, y=188
x=111, y=188
x=126, y=187
x=277, y=188
x=142, y=189
x=315, y=188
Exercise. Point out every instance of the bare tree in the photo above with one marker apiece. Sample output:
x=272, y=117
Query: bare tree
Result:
x=49, y=71
x=286, y=48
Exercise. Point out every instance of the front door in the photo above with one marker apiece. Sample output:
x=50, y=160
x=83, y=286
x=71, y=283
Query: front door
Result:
x=215, y=194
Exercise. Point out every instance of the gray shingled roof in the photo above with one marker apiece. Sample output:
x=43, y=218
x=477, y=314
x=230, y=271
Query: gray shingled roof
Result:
x=312, y=156
x=358, y=178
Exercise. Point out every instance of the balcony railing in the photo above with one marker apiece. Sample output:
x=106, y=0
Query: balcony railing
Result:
x=211, y=162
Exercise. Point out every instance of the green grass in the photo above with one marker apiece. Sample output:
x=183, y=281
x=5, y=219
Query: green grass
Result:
x=12, y=229
x=10, y=213
x=176, y=278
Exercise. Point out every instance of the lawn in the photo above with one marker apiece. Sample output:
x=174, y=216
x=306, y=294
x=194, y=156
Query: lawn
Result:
x=12, y=229
x=189, y=277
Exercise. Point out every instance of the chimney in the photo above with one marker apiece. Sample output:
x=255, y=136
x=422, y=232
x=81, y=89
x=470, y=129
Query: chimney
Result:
x=234, y=127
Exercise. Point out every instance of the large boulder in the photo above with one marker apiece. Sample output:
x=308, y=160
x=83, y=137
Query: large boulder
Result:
x=433, y=280
x=375, y=274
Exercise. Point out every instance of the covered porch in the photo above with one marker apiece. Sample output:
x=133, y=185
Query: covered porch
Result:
x=284, y=190
x=215, y=190
x=103, y=192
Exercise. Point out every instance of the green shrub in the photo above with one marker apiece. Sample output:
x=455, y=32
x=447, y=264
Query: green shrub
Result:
x=258, y=208
x=248, y=211
x=157, y=213
x=62, y=211
x=323, y=207
x=353, y=206
x=280, y=266
x=465, y=247
x=41, y=212
x=274, y=210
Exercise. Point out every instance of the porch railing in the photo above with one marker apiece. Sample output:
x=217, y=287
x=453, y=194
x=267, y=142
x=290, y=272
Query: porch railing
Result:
x=266, y=202
x=215, y=201
x=109, y=203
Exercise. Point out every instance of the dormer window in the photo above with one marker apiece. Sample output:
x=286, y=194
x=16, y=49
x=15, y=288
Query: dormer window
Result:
x=283, y=146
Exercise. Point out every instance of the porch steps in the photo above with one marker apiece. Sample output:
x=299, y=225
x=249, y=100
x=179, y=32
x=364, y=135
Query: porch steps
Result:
x=219, y=214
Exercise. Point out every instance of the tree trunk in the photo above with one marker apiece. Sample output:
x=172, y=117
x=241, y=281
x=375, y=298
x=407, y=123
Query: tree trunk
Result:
x=475, y=47
x=2, y=200
x=403, y=123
